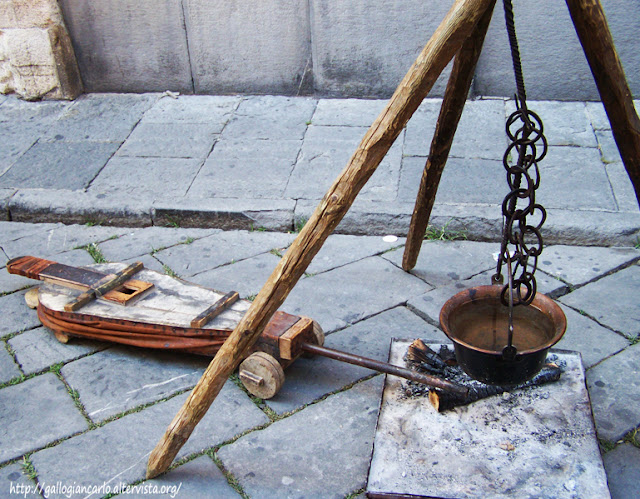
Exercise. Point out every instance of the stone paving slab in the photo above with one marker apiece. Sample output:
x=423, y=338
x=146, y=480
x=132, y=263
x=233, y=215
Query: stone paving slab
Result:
x=16, y=316
x=351, y=293
x=615, y=397
x=623, y=469
x=246, y=276
x=197, y=479
x=579, y=265
x=8, y=368
x=225, y=213
x=209, y=109
x=322, y=451
x=439, y=263
x=230, y=169
x=309, y=379
x=53, y=239
x=14, y=481
x=38, y=349
x=121, y=378
x=75, y=163
x=135, y=243
x=347, y=112
x=146, y=177
x=622, y=187
x=101, y=117
x=120, y=449
x=35, y=413
x=621, y=310
x=170, y=140
x=219, y=249
x=271, y=117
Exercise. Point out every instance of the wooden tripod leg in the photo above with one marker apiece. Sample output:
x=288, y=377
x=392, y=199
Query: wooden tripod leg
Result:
x=597, y=43
x=446, y=41
x=452, y=105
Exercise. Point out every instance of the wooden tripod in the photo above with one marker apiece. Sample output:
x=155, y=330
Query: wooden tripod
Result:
x=462, y=32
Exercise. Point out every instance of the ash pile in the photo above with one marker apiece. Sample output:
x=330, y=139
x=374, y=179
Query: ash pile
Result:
x=421, y=358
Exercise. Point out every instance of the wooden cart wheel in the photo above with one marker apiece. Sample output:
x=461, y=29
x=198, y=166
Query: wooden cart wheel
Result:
x=31, y=297
x=262, y=375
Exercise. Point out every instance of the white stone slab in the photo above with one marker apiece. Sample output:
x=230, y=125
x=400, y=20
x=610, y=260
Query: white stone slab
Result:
x=536, y=442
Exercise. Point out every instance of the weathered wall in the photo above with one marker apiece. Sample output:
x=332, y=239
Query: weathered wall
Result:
x=328, y=47
x=36, y=56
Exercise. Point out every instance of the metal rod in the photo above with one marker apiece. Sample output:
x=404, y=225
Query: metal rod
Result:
x=385, y=367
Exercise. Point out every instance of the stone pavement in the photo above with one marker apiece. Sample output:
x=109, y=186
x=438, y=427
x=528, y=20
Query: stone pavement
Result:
x=189, y=185
x=88, y=413
x=237, y=162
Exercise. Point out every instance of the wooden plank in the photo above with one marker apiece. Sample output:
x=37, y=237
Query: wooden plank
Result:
x=452, y=105
x=104, y=287
x=597, y=43
x=216, y=309
x=291, y=341
x=443, y=45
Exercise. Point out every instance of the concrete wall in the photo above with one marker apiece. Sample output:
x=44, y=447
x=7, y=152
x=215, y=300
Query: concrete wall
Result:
x=353, y=48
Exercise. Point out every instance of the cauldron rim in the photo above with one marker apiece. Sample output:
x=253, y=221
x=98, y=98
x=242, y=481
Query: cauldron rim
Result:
x=541, y=302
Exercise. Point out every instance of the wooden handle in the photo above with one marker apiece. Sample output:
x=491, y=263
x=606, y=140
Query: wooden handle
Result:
x=443, y=45
x=28, y=266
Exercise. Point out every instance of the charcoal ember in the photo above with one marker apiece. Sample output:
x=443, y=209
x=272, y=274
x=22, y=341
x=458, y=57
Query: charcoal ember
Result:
x=420, y=358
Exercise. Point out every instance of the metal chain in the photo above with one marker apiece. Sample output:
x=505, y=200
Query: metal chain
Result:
x=521, y=240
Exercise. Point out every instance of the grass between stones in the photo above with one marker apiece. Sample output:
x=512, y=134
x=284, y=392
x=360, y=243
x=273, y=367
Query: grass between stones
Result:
x=444, y=233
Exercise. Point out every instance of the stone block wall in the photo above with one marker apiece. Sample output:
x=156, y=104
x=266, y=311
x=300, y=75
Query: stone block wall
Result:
x=36, y=56
x=341, y=48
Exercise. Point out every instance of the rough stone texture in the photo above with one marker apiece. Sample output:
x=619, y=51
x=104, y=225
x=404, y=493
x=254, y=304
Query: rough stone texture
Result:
x=347, y=112
x=120, y=378
x=338, y=438
x=551, y=446
x=120, y=449
x=479, y=184
x=170, y=140
x=271, y=117
x=36, y=57
x=246, y=276
x=219, y=249
x=309, y=379
x=8, y=368
x=214, y=110
x=565, y=123
x=440, y=263
x=38, y=349
x=14, y=481
x=198, y=479
x=578, y=265
x=104, y=33
x=260, y=47
x=26, y=426
x=553, y=62
x=146, y=178
x=351, y=293
x=136, y=243
x=225, y=213
x=75, y=164
x=623, y=191
x=16, y=315
x=364, y=52
x=48, y=240
x=611, y=301
x=101, y=117
x=623, y=468
x=325, y=152
x=79, y=207
x=230, y=169
x=615, y=399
